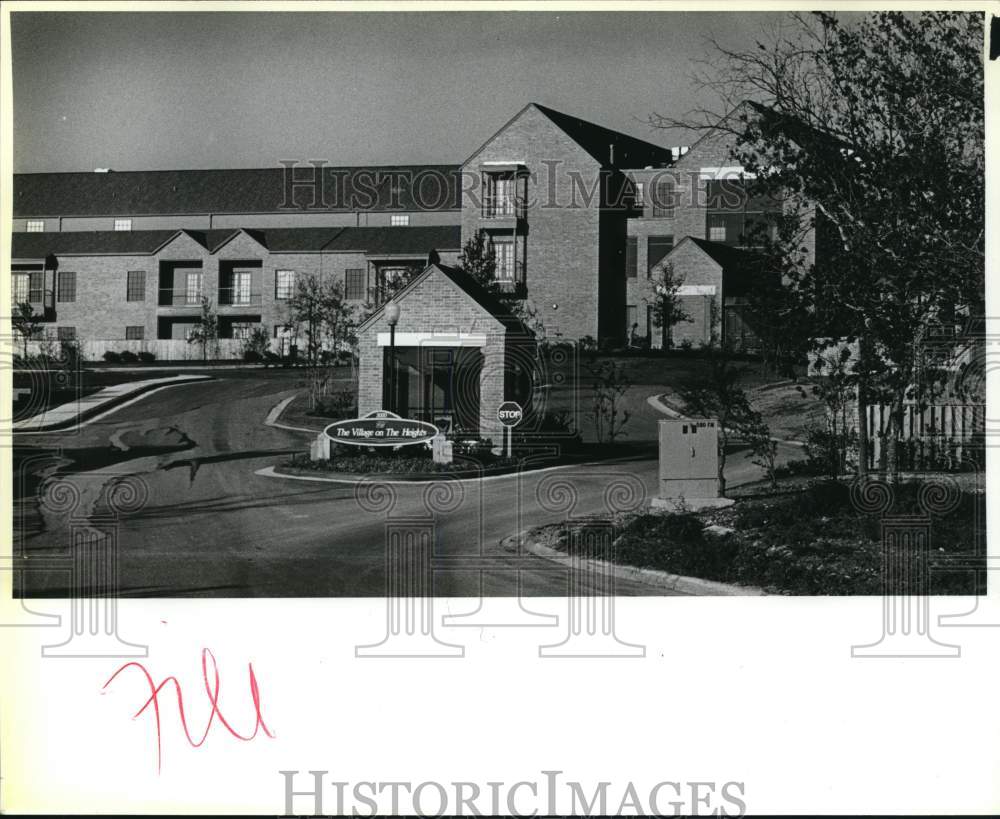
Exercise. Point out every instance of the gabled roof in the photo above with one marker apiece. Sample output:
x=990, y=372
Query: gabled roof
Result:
x=279, y=240
x=741, y=269
x=397, y=241
x=468, y=285
x=84, y=243
x=597, y=140
x=241, y=190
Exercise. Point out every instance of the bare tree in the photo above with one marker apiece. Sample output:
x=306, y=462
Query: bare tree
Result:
x=873, y=134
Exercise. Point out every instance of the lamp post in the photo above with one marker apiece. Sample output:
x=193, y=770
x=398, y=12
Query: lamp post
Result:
x=392, y=316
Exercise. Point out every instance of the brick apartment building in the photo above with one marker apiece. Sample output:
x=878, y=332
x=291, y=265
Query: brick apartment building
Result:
x=579, y=217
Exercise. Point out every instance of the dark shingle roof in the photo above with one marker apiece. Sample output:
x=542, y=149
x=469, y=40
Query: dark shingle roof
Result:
x=394, y=241
x=99, y=242
x=596, y=140
x=246, y=190
x=741, y=268
x=375, y=241
x=479, y=294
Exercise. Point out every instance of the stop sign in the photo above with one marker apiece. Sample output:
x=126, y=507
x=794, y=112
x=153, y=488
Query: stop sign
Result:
x=510, y=414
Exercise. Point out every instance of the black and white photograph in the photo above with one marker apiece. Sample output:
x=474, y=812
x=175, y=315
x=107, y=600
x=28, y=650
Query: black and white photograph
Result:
x=549, y=327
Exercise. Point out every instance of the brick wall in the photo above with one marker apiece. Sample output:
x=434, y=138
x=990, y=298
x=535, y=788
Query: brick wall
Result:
x=563, y=242
x=437, y=305
x=692, y=266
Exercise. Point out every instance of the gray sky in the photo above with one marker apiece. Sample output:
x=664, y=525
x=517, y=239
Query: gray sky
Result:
x=137, y=91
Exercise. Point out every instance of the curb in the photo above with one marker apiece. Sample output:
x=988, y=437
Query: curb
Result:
x=272, y=472
x=104, y=407
x=653, y=577
x=275, y=414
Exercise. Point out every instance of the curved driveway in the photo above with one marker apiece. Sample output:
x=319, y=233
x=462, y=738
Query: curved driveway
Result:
x=210, y=526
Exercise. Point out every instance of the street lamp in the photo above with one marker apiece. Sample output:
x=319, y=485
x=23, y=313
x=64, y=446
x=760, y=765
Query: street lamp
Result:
x=392, y=316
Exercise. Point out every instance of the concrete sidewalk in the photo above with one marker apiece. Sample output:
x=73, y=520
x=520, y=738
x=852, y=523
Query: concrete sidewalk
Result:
x=73, y=412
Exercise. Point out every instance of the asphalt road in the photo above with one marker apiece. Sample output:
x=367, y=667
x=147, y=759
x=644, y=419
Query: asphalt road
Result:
x=209, y=526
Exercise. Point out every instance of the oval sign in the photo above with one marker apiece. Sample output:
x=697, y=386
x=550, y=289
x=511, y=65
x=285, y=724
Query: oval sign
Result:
x=380, y=428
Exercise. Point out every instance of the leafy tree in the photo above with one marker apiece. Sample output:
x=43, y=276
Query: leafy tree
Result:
x=257, y=343
x=874, y=133
x=714, y=391
x=328, y=321
x=389, y=286
x=763, y=448
x=26, y=323
x=206, y=330
x=478, y=261
x=667, y=309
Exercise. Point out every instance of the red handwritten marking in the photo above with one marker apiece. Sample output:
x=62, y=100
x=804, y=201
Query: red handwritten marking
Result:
x=213, y=697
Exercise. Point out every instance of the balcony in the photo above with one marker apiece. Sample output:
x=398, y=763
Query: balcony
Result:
x=503, y=208
x=238, y=297
x=180, y=299
x=512, y=284
x=42, y=301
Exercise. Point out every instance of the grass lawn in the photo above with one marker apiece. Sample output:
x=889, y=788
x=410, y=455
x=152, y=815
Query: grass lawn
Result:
x=786, y=407
x=806, y=538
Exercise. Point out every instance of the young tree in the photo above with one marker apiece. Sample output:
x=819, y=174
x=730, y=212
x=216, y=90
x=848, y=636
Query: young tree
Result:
x=609, y=385
x=714, y=391
x=257, y=343
x=26, y=323
x=319, y=310
x=206, y=329
x=667, y=309
x=478, y=261
x=874, y=133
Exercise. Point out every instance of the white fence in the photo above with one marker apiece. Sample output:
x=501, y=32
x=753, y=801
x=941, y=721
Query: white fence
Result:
x=941, y=436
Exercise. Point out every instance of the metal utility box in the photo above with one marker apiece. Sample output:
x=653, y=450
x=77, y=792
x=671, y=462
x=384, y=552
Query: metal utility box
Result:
x=689, y=458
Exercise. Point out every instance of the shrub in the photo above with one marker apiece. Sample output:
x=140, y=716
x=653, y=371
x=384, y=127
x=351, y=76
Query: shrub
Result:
x=146, y=357
x=823, y=498
x=827, y=451
x=337, y=405
x=128, y=357
x=471, y=446
x=251, y=356
x=683, y=528
x=112, y=357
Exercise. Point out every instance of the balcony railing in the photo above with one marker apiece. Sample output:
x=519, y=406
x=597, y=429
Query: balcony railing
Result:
x=512, y=281
x=503, y=207
x=180, y=298
x=237, y=297
x=44, y=299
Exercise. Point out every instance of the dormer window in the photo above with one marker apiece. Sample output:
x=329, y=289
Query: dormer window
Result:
x=123, y=224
